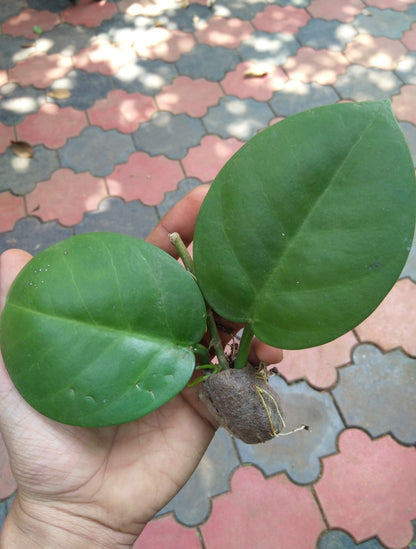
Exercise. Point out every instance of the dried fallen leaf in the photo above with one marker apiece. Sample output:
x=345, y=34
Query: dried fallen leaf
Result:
x=185, y=3
x=59, y=93
x=29, y=45
x=256, y=72
x=159, y=23
x=22, y=149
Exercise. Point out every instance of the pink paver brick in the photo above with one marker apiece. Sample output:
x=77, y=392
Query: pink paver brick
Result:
x=379, y=52
x=397, y=5
x=89, y=14
x=225, y=32
x=189, y=96
x=6, y=135
x=66, y=196
x=11, y=210
x=7, y=482
x=404, y=104
x=166, y=533
x=161, y=43
x=144, y=177
x=205, y=160
x=343, y=10
x=271, y=514
x=3, y=77
x=393, y=323
x=321, y=66
x=121, y=110
x=23, y=23
x=409, y=38
x=369, y=489
x=51, y=126
x=243, y=83
x=40, y=69
x=104, y=57
x=318, y=365
x=287, y=19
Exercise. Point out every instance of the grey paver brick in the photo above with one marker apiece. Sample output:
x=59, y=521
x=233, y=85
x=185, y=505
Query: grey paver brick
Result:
x=123, y=28
x=65, y=39
x=85, y=88
x=145, y=76
x=297, y=96
x=169, y=134
x=116, y=216
x=335, y=539
x=12, y=50
x=20, y=175
x=55, y=6
x=242, y=9
x=173, y=197
x=235, y=117
x=320, y=34
x=377, y=392
x=207, y=62
x=32, y=235
x=367, y=84
x=269, y=48
x=96, y=151
x=16, y=102
x=186, y=20
x=378, y=22
x=9, y=8
x=406, y=68
x=298, y=454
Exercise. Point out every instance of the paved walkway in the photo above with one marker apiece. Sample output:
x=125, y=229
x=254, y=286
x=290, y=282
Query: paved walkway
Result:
x=128, y=105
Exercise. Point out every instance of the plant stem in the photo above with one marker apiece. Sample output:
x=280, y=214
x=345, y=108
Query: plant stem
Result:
x=245, y=342
x=183, y=253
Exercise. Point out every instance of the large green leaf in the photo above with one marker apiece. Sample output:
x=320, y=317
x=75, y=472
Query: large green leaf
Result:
x=308, y=225
x=96, y=329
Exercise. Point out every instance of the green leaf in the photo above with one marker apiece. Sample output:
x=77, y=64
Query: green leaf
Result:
x=97, y=329
x=37, y=29
x=307, y=227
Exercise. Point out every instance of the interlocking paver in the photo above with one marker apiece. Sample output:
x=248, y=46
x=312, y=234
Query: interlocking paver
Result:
x=16, y=102
x=162, y=43
x=144, y=177
x=341, y=540
x=145, y=76
x=172, y=197
x=381, y=52
x=288, y=19
x=318, y=365
x=12, y=50
x=10, y=8
x=40, y=69
x=235, y=117
x=90, y=14
x=32, y=235
x=342, y=10
x=299, y=454
x=56, y=6
x=169, y=134
x=168, y=534
x=189, y=96
x=272, y=48
x=397, y=5
x=366, y=84
x=263, y=513
x=103, y=57
x=361, y=503
x=207, y=62
x=96, y=150
x=85, y=88
x=392, y=377
x=45, y=201
x=20, y=175
x=12, y=209
x=192, y=504
x=186, y=20
x=382, y=22
x=409, y=37
x=242, y=9
x=115, y=216
x=320, y=34
x=320, y=66
x=23, y=23
x=297, y=96
x=123, y=29
x=256, y=80
x=6, y=135
x=406, y=68
x=65, y=39
x=221, y=31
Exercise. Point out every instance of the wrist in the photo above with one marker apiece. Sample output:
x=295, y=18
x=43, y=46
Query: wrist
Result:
x=44, y=526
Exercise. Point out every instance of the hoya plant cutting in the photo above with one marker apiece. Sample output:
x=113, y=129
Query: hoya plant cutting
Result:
x=302, y=234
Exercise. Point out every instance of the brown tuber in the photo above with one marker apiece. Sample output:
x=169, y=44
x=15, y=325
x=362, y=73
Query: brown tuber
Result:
x=244, y=403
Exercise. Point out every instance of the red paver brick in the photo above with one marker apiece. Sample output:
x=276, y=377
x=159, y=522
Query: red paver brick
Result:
x=148, y=8
x=242, y=82
x=263, y=513
x=404, y=104
x=51, y=126
x=40, y=69
x=11, y=209
x=189, y=96
x=7, y=482
x=23, y=23
x=66, y=196
x=206, y=160
x=121, y=110
x=398, y=5
x=165, y=533
x=343, y=10
x=161, y=43
x=321, y=66
x=318, y=365
x=369, y=489
x=409, y=38
x=393, y=323
x=6, y=135
x=221, y=31
x=89, y=14
x=287, y=19
x=145, y=178
x=380, y=52
x=103, y=57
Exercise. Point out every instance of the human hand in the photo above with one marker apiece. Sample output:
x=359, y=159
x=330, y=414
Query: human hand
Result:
x=97, y=488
